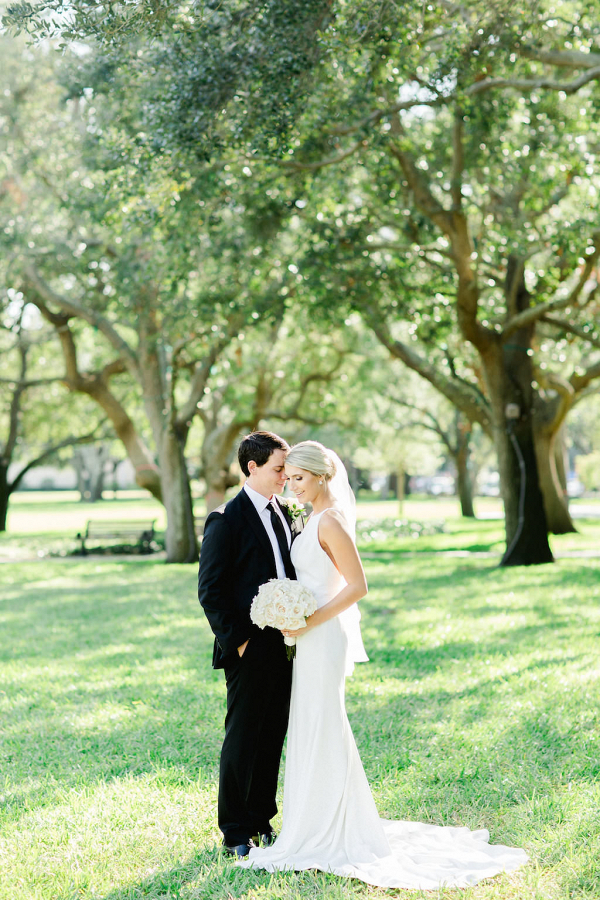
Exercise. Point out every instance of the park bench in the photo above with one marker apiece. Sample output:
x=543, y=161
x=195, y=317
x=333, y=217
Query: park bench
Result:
x=141, y=531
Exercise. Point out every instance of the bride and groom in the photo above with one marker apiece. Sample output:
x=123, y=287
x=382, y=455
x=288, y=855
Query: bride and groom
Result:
x=330, y=821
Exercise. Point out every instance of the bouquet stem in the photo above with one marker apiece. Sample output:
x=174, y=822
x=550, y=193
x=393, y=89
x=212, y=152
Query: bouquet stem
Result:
x=290, y=647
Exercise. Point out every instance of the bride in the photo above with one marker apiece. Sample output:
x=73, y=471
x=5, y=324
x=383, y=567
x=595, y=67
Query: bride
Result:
x=330, y=821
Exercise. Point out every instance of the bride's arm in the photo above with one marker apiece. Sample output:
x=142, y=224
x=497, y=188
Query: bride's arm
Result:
x=337, y=542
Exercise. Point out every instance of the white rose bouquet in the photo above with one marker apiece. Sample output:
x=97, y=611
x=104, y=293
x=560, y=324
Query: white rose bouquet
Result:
x=283, y=603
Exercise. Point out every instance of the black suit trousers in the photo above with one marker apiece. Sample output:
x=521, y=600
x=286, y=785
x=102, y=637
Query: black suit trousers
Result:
x=258, y=701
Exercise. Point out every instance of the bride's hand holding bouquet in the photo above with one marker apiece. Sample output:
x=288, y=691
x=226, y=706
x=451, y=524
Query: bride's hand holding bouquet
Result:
x=284, y=604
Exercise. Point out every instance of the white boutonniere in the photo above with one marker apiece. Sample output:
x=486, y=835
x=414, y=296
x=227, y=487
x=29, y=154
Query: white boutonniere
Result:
x=295, y=510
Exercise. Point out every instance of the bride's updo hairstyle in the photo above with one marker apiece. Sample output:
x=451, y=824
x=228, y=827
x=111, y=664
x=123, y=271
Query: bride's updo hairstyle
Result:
x=313, y=457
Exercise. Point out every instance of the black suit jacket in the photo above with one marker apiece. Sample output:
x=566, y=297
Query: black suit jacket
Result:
x=235, y=559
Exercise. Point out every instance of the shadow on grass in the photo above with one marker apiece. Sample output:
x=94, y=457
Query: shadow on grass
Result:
x=111, y=676
x=104, y=679
x=465, y=736
x=132, y=688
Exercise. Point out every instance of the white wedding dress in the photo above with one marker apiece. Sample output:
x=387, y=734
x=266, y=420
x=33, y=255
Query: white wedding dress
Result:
x=330, y=821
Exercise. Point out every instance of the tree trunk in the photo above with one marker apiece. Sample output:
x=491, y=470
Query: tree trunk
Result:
x=555, y=499
x=551, y=408
x=464, y=488
x=5, y=492
x=213, y=498
x=182, y=546
x=561, y=462
x=463, y=477
x=525, y=518
x=100, y=457
x=400, y=485
x=98, y=486
x=81, y=475
x=147, y=475
x=509, y=375
x=89, y=461
x=216, y=453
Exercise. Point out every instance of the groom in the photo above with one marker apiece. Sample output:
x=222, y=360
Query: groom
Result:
x=247, y=542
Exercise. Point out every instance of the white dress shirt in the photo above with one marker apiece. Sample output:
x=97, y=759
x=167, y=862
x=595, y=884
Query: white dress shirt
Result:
x=261, y=505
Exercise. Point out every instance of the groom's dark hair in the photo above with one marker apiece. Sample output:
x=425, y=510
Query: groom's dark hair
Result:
x=259, y=445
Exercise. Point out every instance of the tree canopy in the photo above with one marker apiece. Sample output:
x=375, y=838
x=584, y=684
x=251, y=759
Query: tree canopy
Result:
x=429, y=166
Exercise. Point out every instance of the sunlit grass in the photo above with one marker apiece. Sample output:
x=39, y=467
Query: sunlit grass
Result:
x=479, y=707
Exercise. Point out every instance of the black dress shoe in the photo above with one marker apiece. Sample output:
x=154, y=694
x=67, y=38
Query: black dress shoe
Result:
x=238, y=850
x=264, y=840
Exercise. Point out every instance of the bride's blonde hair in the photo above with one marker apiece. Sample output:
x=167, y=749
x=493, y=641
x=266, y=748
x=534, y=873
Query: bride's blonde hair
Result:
x=313, y=457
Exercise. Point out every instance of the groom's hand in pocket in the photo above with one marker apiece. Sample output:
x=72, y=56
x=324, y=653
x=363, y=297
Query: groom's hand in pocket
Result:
x=242, y=648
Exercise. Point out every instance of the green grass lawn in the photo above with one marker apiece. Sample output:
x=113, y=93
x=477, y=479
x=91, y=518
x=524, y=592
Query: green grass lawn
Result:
x=479, y=707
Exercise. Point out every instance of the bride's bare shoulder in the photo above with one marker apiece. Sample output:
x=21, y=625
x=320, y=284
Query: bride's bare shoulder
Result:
x=333, y=520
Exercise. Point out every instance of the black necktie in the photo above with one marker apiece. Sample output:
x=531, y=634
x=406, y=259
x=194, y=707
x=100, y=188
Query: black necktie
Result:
x=282, y=541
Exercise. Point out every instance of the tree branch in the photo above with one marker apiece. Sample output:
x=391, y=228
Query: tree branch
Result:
x=564, y=389
x=72, y=308
x=531, y=84
x=202, y=370
x=36, y=382
x=68, y=442
x=296, y=166
x=463, y=396
x=552, y=381
x=421, y=189
x=569, y=59
x=455, y=226
x=580, y=382
x=434, y=426
x=569, y=327
x=458, y=160
x=95, y=385
x=116, y=367
x=305, y=420
x=15, y=406
x=306, y=381
x=585, y=393
x=569, y=298
x=60, y=321
x=556, y=197
x=379, y=114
